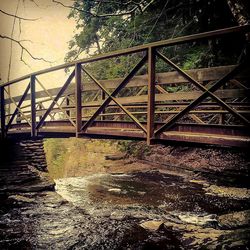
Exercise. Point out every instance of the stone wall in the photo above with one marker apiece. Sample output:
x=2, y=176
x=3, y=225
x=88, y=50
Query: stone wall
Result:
x=33, y=152
x=23, y=167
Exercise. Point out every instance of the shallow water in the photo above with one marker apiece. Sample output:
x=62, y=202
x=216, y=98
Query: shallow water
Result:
x=141, y=191
x=107, y=211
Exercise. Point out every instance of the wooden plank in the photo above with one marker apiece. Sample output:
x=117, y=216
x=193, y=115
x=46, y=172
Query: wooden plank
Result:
x=128, y=113
x=208, y=92
x=225, y=140
x=67, y=100
x=56, y=102
x=18, y=107
x=178, y=96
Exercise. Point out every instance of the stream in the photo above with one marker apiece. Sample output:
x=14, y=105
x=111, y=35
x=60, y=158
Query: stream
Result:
x=141, y=207
x=151, y=210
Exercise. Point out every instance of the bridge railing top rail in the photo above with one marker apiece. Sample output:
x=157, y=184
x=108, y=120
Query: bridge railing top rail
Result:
x=170, y=42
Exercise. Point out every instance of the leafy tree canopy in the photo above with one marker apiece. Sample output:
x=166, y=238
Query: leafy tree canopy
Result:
x=108, y=25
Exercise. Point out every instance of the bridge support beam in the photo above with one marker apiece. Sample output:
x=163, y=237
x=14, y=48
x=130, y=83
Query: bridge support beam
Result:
x=78, y=96
x=67, y=105
x=103, y=96
x=2, y=103
x=33, y=105
x=151, y=95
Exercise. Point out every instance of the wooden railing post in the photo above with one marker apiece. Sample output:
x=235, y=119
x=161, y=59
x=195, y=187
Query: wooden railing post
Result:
x=33, y=105
x=103, y=95
x=67, y=105
x=2, y=103
x=151, y=95
x=78, y=96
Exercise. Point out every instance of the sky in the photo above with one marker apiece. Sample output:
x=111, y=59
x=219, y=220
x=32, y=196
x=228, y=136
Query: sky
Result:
x=48, y=37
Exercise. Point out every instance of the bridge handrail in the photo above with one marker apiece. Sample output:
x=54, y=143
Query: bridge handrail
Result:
x=158, y=44
x=165, y=78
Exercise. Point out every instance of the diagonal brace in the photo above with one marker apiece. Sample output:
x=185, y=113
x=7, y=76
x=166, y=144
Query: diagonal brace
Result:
x=201, y=87
x=115, y=92
x=114, y=99
x=18, y=107
x=66, y=84
x=193, y=104
x=53, y=100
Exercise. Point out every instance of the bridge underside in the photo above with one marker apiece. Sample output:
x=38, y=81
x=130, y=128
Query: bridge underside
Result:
x=236, y=136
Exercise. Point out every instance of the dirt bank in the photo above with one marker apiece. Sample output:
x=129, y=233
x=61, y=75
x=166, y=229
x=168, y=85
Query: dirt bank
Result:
x=226, y=166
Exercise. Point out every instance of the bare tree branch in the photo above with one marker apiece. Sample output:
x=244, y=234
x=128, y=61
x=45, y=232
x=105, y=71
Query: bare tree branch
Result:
x=11, y=42
x=137, y=6
x=24, y=49
x=18, y=17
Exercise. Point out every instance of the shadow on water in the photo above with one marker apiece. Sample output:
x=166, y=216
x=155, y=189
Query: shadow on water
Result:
x=230, y=178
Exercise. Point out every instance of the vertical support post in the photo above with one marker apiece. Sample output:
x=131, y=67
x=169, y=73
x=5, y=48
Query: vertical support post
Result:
x=78, y=96
x=33, y=105
x=222, y=116
x=151, y=95
x=103, y=98
x=67, y=105
x=2, y=102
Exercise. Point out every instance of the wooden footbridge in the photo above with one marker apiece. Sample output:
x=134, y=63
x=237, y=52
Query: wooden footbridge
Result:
x=207, y=105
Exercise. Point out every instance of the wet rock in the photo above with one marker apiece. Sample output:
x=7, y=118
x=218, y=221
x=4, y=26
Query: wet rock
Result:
x=201, y=182
x=115, y=157
x=138, y=215
x=115, y=190
x=206, y=220
x=207, y=238
x=19, y=199
x=231, y=192
x=43, y=184
x=152, y=225
x=117, y=216
x=234, y=220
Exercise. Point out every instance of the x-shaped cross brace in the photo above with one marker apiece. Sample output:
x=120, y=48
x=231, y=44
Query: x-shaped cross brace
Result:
x=55, y=100
x=207, y=92
x=111, y=97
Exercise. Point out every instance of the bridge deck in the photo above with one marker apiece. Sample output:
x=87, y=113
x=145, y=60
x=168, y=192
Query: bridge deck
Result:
x=237, y=136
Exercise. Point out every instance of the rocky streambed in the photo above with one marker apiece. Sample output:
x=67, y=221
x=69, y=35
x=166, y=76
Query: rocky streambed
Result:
x=124, y=203
x=145, y=209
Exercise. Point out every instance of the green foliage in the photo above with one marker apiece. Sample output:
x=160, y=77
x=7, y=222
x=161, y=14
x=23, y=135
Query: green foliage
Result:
x=194, y=58
x=55, y=153
x=56, y=150
x=101, y=27
x=75, y=156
